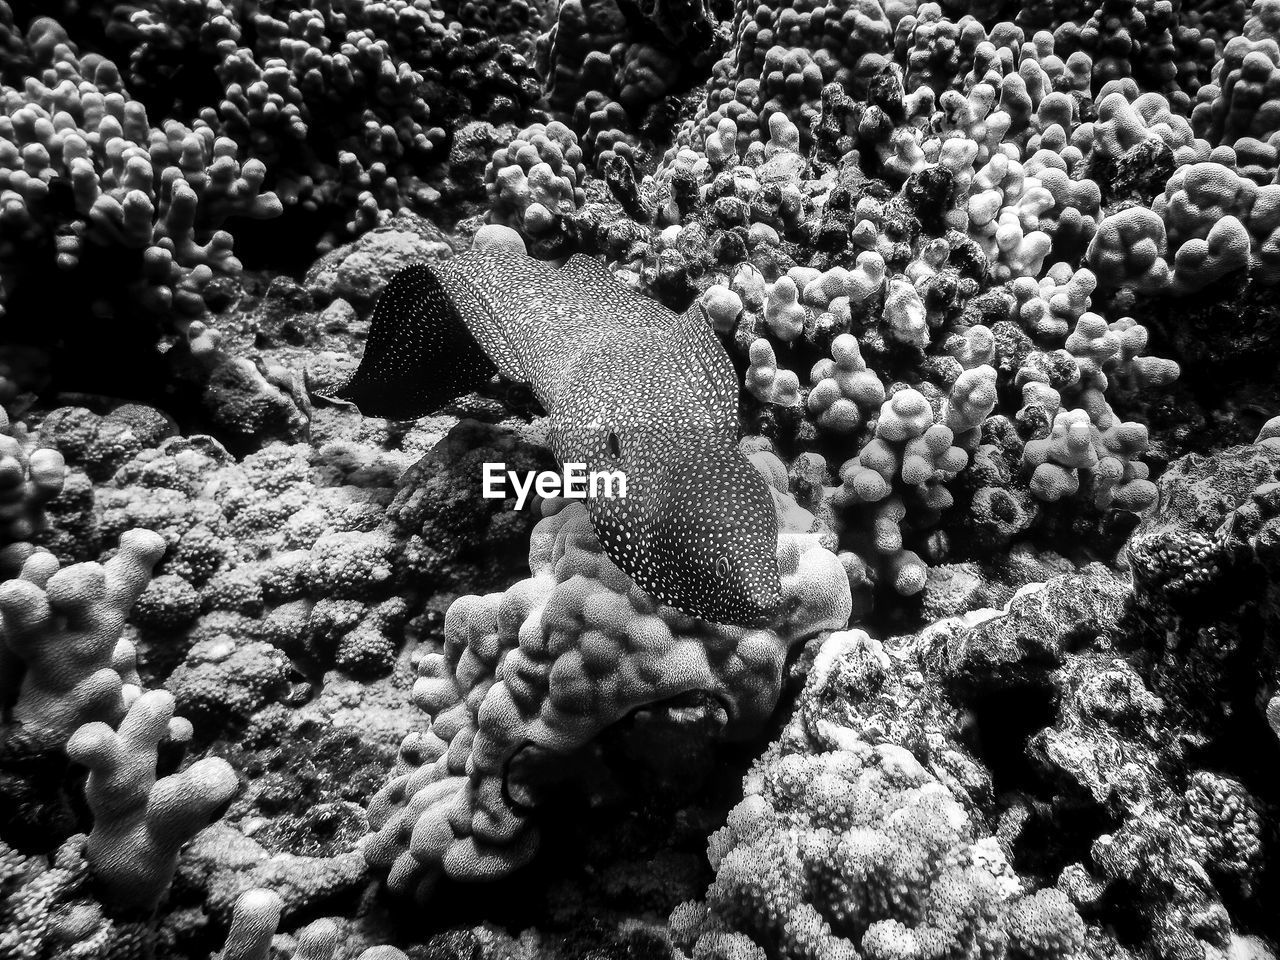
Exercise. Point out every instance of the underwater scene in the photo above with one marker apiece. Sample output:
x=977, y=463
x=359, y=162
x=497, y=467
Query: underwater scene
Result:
x=639, y=480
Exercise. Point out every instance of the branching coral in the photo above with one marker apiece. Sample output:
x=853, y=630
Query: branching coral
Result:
x=845, y=391
x=535, y=183
x=30, y=475
x=611, y=65
x=92, y=186
x=326, y=113
x=255, y=919
x=67, y=667
x=1218, y=223
x=904, y=466
x=1241, y=99
x=253, y=923
x=63, y=627
x=1076, y=446
x=942, y=231
x=140, y=822
x=346, y=104
x=766, y=382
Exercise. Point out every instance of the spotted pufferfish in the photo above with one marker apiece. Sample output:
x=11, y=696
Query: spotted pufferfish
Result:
x=628, y=385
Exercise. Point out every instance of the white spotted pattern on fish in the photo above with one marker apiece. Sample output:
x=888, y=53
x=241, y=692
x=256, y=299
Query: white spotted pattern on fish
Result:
x=629, y=385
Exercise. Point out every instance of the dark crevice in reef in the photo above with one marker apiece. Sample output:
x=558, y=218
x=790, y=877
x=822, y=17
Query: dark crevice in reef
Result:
x=41, y=798
x=1003, y=722
x=1130, y=927
x=1052, y=840
x=82, y=19
x=103, y=343
x=1227, y=340
x=285, y=244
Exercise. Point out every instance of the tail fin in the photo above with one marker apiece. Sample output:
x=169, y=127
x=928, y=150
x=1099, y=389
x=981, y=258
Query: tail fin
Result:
x=419, y=355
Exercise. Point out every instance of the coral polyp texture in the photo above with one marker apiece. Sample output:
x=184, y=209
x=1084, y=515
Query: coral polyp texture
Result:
x=848, y=847
x=937, y=344
x=547, y=665
x=63, y=627
x=140, y=822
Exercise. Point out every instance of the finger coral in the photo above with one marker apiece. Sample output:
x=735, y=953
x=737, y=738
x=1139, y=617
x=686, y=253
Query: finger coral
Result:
x=534, y=183
x=611, y=66
x=140, y=822
x=91, y=184
x=922, y=218
x=63, y=626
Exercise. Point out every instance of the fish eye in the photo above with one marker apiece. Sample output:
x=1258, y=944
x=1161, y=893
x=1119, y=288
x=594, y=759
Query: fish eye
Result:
x=614, y=445
x=722, y=567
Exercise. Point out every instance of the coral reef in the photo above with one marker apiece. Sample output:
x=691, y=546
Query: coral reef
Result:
x=543, y=668
x=999, y=287
x=62, y=637
x=846, y=847
x=92, y=187
x=140, y=823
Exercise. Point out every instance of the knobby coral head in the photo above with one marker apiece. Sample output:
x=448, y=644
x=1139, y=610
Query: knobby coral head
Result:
x=549, y=664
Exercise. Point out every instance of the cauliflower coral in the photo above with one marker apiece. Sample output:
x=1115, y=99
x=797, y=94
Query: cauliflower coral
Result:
x=843, y=847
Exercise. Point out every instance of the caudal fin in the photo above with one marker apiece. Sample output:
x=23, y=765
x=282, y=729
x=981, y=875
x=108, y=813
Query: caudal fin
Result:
x=419, y=355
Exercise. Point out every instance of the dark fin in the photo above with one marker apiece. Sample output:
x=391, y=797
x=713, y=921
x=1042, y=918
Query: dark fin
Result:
x=419, y=355
x=463, y=279
x=709, y=369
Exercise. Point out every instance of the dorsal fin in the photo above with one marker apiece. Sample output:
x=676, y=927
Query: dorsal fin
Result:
x=419, y=355
x=708, y=367
x=699, y=352
x=589, y=271
x=592, y=275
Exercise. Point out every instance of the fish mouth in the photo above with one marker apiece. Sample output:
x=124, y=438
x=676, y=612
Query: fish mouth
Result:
x=763, y=617
x=757, y=618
